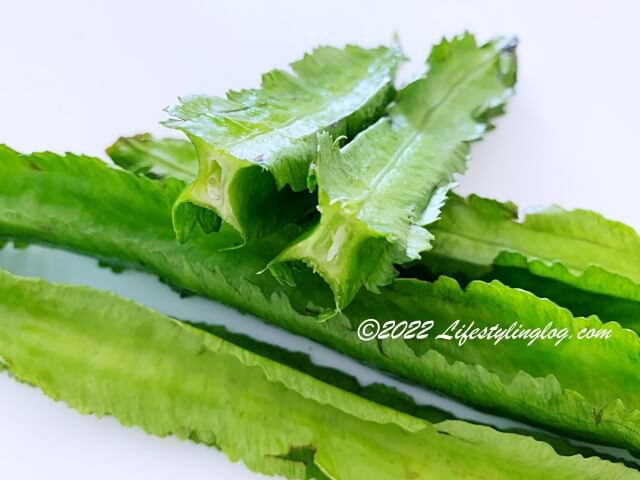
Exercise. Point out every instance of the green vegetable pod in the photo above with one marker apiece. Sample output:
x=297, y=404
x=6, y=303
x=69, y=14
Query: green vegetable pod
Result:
x=105, y=355
x=578, y=258
x=255, y=146
x=155, y=157
x=586, y=388
x=378, y=193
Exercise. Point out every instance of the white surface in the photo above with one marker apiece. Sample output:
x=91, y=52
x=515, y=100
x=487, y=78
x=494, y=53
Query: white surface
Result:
x=75, y=75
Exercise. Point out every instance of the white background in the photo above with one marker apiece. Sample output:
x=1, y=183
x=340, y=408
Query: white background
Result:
x=76, y=75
